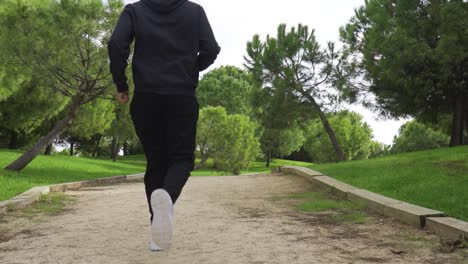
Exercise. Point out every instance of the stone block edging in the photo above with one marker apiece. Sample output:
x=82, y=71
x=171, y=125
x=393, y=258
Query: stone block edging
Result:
x=435, y=221
x=33, y=194
x=448, y=227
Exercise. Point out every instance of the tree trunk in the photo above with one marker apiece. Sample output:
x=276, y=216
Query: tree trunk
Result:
x=46, y=140
x=72, y=147
x=48, y=150
x=268, y=159
x=340, y=156
x=466, y=119
x=96, y=148
x=202, y=163
x=458, y=127
x=114, y=150
x=125, y=148
x=13, y=140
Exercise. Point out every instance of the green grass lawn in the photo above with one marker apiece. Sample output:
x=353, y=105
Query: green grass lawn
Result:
x=46, y=170
x=256, y=167
x=436, y=179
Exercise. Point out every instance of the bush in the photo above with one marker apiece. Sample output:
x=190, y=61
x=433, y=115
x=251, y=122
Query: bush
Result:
x=354, y=136
x=378, y=149
x=414, y=136
x=229, y=139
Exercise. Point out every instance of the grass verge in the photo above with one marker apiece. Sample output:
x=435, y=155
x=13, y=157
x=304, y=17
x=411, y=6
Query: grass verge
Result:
x=436, y=179
x=317, y=202
x=46, y=170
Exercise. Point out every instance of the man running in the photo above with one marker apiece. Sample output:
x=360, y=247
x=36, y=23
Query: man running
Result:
x=173, y=43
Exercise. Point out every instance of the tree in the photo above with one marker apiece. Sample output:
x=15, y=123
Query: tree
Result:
x=378, y=149
x=414, y=136
x=94, y=118
x=279, y=117
x=282, y=142
x=413, y=57
x=354, y=134
x=294, y=64
x=27, y=109
x=240, y=146
x=210, y=132
x=229, y=139
x=121, y=130
x=64, y=43
x=227, y=86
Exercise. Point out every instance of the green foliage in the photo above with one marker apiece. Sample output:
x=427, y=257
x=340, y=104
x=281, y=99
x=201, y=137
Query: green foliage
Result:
x=294, y=76
x=280, y=117
x=412, y=55
x=12, y=75
x=378, y=149
x=229, y=139
x=240, y=144
x=283, y=142
x=122, y=125
x=210, y=129
x=414, y=136
x=227, y=86
x=9, y=81
x=354, y=134
x=63, y=45
x=93, y=118
x=63, y=42
x=27, y=108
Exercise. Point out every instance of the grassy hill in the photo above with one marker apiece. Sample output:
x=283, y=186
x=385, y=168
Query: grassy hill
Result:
x=436, y=179
x=45, y=170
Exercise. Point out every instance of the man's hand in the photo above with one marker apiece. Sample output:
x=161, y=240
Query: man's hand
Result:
x=122, y=97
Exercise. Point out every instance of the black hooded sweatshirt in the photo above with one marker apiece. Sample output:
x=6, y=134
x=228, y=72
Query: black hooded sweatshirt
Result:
x=173, y=43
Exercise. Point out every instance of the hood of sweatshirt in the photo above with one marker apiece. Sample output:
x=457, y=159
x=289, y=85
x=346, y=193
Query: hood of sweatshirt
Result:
x=164, y=6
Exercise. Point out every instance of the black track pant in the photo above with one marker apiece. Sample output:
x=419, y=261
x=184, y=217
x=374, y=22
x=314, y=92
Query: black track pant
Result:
x=166, y=126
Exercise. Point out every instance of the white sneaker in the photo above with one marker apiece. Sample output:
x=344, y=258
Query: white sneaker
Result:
x=154, y=247
x=163, y=211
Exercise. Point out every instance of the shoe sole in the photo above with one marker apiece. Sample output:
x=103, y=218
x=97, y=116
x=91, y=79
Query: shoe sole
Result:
x=153, y=247
x=161, y=227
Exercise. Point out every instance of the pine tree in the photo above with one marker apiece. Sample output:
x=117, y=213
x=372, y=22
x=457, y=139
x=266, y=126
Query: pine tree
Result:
x=293, y=70
x=64, y=43
x=412, y=56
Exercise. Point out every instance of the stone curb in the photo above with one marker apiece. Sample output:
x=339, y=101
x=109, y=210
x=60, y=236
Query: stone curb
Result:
x=429, y=219
x=33, y=194
x=448, y=227
x=333, y=186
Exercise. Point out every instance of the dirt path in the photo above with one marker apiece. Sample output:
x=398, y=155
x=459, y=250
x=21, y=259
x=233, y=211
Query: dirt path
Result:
x=219, y=220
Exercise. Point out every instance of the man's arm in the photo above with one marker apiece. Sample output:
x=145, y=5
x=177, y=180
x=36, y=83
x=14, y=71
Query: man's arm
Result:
x=119, y=48
x=208, y=47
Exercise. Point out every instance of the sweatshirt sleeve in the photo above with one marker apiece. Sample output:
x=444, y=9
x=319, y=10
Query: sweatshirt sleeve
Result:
x=208, y=47
x=119, y=48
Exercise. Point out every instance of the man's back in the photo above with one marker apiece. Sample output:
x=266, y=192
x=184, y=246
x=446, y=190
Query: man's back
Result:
x=173, y=42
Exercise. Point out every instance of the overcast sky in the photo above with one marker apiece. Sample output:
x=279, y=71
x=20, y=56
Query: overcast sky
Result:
x=234, y=23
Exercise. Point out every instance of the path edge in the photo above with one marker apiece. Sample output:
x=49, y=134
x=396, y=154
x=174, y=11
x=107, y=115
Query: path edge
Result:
x=435, y=221
x=34, y=194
